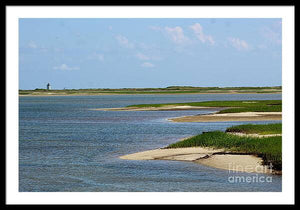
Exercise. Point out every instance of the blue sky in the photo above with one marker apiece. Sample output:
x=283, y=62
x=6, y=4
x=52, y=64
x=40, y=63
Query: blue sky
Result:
x=123, y=53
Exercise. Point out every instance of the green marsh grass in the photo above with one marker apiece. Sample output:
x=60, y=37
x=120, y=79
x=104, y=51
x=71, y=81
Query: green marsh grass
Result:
x=230, y=106
x=262, y=129
x=269, y=148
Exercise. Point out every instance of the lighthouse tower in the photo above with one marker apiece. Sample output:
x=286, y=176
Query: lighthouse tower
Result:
x=48, y=86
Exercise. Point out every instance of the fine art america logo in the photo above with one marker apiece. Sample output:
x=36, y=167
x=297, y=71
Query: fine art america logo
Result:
x=236, y=177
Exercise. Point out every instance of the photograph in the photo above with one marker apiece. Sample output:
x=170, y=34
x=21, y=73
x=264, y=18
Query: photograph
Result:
x=115, y=101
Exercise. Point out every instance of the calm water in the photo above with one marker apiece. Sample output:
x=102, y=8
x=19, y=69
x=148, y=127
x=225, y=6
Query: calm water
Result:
x=66, y=146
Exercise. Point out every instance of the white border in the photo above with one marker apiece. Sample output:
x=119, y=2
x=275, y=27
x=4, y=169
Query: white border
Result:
x=15, y=12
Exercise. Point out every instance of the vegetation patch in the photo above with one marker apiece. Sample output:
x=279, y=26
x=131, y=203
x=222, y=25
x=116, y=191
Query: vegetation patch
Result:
x=263, y=129
x=231, y=106
x=268, y=148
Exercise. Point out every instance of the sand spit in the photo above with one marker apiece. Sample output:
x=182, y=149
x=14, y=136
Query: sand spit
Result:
x=187, y=154
x=213, y=117
x=163, y=108
x=217, y=158
x=242, y=116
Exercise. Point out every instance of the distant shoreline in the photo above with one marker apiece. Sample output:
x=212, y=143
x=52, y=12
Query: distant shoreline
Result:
x=106, y=94
x=156, y=91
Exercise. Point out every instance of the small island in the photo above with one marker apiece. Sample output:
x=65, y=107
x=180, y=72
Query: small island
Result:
x=244, y=148
x=248, y=110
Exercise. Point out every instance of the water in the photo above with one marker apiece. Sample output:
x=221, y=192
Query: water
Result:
x=64, y=145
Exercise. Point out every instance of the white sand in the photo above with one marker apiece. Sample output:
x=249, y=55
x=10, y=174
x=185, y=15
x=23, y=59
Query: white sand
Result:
x=206, y=156
x=241, y=163
x=188, y=154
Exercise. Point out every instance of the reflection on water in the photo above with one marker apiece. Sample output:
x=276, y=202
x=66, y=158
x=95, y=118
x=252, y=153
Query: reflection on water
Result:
x=66, y=146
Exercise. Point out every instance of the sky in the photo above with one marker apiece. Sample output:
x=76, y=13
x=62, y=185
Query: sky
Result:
x=151, y=52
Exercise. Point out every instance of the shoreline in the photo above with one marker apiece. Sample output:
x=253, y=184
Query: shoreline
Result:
x=163, y=108
x=211, y=117
x=215, y=158
x=100, y=94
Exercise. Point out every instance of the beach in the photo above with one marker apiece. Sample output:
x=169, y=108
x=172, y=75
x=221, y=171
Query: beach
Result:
x=217, y=158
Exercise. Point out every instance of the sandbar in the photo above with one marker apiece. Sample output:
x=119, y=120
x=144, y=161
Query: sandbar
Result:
x=216, y=158
x=241, y=116
x=162, y=108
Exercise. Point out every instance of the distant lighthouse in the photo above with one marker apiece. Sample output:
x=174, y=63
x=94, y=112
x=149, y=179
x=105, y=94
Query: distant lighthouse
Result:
x=48, y=86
